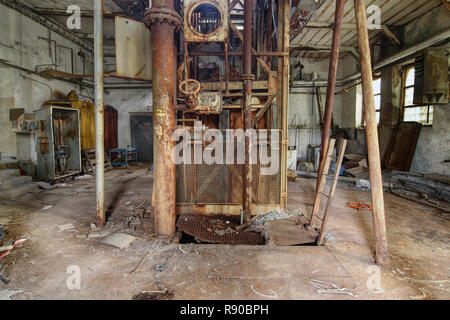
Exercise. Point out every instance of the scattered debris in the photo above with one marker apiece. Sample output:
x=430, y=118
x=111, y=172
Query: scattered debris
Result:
x=273, y=294
x=44, y=185
x=330, y=288
x=119, y=240
x=46, y=208
x=159, y=268
x=7, y=294
x=65, y=227
x=160, y=293
x=98, y=233
x=153, y=295
x=85, y=177
x=329, y=236
x=60, y=185
x=359, y=205
x=362, y=184
x=292, y=175
x=16, y=243
x=93, y=227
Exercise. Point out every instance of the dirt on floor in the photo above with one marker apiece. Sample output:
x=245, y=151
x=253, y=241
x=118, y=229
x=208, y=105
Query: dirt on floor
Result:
x=65, y=257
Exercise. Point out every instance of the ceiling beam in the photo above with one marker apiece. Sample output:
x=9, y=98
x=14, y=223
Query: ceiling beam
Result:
x=63, y=13
x=352, y=50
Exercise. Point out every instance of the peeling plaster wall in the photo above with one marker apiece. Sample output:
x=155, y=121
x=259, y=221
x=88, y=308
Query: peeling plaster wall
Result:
x=434, y=142
x=304, y=125
x=20, y=46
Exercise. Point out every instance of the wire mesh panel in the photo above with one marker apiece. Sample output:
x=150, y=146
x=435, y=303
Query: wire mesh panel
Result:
x=222, y=183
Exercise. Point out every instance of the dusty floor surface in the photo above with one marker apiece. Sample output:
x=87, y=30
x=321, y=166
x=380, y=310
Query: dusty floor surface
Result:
x=419, y=247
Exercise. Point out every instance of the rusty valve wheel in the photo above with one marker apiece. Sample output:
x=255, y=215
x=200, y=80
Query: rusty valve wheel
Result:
x=190, y=87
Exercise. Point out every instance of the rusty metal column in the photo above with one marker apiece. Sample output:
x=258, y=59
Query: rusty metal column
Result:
x=332, y=73
x=248, y=78
x=162, y=20
x=99, y=112
x=376, y=183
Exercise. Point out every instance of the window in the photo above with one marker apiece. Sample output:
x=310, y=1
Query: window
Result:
x=412, y=112
x=377, y=95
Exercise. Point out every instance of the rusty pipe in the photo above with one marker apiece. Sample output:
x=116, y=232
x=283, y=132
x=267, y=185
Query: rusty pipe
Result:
x=332, y=73
x=99, y=112
x=247, y=77
x=164, y=84
x=376, y=182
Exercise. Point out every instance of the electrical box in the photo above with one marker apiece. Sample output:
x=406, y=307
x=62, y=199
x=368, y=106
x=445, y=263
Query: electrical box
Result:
x=58, y=144
x=431, y=77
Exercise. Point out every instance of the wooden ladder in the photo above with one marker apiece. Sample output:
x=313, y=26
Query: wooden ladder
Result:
x=323, y=181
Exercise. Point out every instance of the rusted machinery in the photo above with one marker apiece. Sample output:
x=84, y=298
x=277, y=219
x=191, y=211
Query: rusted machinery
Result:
x=232, y=68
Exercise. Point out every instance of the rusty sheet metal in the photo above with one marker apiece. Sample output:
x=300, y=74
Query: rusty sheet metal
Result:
x=133, y=40
x=303, y=14
x=290, y=232
x=210, y=229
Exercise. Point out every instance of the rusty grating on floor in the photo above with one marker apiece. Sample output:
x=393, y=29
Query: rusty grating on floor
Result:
x=218, y=229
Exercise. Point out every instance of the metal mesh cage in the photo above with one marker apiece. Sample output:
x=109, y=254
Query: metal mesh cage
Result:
x=222, y=183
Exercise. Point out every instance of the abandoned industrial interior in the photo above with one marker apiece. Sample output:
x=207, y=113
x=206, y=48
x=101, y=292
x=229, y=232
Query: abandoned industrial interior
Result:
x=224, y=149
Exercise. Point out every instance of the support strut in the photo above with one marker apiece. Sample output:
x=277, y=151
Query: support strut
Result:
x=162, y=20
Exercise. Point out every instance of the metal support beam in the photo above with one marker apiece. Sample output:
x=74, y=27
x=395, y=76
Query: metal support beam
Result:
x=376, y=182
x=161, y=20
x=332, y=73
x=247, y=77
x=99, y=112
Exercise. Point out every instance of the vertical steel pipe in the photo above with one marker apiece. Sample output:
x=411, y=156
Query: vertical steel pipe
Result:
x=247, y=78
x=99, y=112
x=376, y=183
x=162, y=29
x=332, y=73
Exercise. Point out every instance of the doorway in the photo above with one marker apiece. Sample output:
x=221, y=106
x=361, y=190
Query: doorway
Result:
x=142, y=135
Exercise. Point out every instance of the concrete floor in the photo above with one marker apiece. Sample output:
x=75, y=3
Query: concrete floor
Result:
x=418, y=237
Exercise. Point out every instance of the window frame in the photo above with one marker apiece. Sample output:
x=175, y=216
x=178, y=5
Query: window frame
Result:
x=363, y=121
x=405, y=70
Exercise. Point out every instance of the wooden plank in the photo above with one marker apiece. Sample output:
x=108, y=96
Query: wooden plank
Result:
x=323, y=181
x=341, y=152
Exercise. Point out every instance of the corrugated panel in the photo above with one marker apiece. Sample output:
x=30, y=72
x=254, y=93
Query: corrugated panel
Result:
x=393, y=12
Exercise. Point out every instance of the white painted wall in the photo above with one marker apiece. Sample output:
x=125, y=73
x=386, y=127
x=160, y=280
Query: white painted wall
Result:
x=304, y=126
x=128, y=101
x=20, y=46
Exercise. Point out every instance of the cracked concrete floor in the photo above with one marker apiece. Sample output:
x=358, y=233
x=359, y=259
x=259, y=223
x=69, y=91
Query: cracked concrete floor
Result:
x=419, y=249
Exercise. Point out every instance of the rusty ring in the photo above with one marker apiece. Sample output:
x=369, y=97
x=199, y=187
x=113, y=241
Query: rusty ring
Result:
x=194, y=92
x=162, y=15
x=248, y=76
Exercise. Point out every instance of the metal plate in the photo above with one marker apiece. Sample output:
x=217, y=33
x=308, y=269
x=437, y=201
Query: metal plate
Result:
x=133, y=49
x=288, y=232
x=203, y=229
